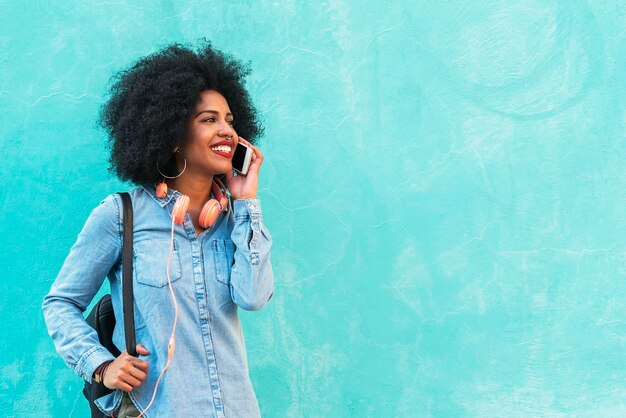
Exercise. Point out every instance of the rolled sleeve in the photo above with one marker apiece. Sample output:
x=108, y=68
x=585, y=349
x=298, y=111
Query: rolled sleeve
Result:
x=252, y=278
x=90, y=361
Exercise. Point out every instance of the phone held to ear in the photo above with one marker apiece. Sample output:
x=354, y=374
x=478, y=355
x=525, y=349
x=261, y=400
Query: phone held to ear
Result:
x=241, y=158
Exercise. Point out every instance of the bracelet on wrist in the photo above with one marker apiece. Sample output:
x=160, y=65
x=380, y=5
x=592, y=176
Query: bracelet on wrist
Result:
x=98, y=375
x=104, y=371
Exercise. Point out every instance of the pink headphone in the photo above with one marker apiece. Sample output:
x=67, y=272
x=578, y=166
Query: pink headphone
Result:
x=210, y=211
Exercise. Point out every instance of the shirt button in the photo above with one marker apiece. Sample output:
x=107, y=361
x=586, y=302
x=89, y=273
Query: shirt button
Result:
x=251, y=206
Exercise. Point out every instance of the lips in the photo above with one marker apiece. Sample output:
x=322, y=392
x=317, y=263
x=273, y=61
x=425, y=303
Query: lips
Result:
x=223, y=148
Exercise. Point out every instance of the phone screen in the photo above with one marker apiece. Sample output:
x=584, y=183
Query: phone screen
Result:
x=239, y=156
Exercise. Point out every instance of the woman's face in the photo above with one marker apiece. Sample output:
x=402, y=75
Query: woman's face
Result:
x=211, y=139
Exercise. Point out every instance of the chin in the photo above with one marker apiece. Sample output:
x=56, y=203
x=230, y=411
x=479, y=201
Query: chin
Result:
x=227, y=170
x=222, y=170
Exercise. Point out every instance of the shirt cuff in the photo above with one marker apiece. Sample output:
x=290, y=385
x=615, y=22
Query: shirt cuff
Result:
x=91, y=360
x=247, y=208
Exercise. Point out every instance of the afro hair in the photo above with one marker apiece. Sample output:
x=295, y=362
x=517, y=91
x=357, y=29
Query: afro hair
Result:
x=150, y=103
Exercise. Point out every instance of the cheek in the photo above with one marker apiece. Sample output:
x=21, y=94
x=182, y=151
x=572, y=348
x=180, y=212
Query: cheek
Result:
x=197, y=154
x=199, y=141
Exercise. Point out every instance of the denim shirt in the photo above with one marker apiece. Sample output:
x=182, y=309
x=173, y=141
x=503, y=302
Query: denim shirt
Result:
x=213, y=274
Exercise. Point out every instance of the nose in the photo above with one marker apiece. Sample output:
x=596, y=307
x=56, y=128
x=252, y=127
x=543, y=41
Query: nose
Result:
x=229, y=136
x=226, y=131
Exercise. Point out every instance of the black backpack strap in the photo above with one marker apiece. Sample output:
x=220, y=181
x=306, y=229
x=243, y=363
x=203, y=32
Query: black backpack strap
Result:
x=127, y=276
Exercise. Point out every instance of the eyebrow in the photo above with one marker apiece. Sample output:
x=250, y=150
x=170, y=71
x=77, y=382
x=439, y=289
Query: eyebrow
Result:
x=212, y=111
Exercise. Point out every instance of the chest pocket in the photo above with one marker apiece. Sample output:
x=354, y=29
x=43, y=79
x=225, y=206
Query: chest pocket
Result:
x=224, y=258
x=151, y=262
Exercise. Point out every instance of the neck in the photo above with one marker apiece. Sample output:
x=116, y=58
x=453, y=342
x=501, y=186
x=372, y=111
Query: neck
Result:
x=197, y=188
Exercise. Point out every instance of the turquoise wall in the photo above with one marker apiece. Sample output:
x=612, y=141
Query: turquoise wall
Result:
x=444, y=182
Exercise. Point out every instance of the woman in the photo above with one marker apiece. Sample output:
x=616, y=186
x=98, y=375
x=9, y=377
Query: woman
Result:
x=173, y=120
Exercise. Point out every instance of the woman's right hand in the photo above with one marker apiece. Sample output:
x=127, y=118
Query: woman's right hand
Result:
x=126, y=372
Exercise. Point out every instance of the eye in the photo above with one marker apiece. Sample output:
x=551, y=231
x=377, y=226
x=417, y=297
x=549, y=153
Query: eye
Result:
x=230, y=122
x=209, y=120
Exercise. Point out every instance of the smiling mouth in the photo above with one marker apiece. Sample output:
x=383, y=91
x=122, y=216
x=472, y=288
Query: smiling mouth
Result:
x=223, y=150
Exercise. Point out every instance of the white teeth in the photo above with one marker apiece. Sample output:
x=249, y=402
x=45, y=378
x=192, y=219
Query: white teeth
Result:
x=222, y=148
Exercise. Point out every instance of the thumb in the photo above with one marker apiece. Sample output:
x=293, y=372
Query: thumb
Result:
x=229, y=175
x=142, y=350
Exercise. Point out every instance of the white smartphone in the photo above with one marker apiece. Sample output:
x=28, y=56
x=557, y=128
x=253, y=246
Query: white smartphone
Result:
x=241, y=158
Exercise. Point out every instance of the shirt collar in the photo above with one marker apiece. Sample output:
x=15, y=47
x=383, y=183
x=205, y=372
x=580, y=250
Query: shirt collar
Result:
x=171, y=194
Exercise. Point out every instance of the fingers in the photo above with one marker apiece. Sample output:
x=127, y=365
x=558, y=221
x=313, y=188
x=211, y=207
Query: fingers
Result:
x=129, y=376
x=131, y=380
x=142, y=350
x=118, y=384
x=138, y=375
x=126, y=372
x=141, y=365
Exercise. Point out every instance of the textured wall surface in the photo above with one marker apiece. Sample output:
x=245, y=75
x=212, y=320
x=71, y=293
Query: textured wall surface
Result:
x=444, y=182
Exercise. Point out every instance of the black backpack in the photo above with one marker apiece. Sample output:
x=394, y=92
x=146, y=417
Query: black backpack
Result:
x=101, y=317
